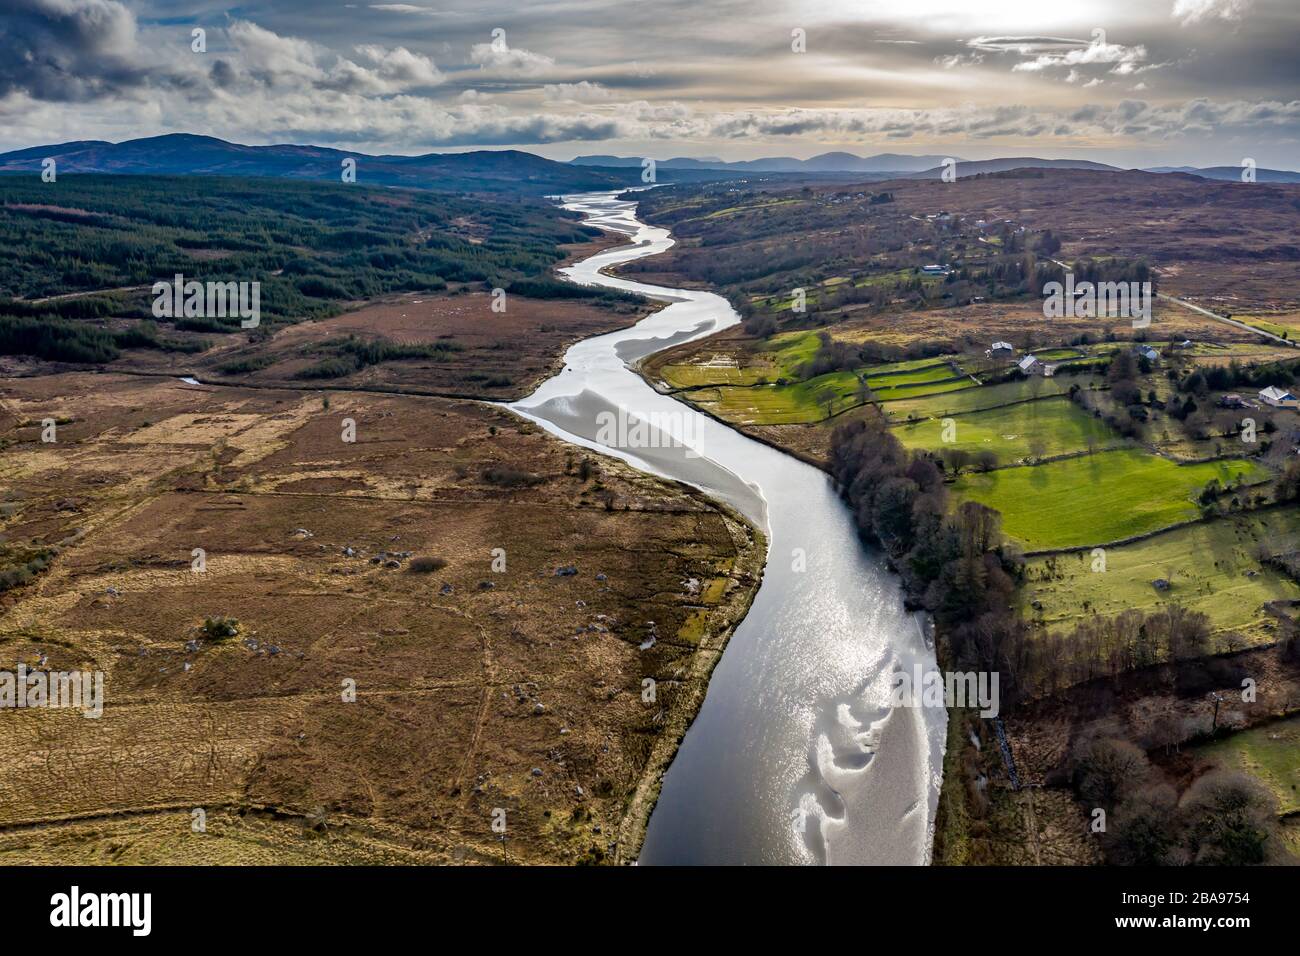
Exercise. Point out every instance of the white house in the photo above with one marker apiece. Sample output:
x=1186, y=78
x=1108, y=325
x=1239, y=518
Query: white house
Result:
x=1278, y=397
x=1031, y=366
x=1148, y=353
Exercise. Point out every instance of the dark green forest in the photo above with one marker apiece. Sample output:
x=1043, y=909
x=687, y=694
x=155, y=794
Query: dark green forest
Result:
x=314, y=247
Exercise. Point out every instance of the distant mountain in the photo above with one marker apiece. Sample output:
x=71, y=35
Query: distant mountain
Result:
x=823, y=163
x=1230, y=173
x=978, y=166
x=188, y=154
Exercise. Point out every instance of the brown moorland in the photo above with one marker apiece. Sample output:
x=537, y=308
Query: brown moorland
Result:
x=363, y=565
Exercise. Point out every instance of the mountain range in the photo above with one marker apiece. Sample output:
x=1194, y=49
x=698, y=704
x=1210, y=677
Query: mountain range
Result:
x=902, y=166
x=510, y=170
x=823, y=163
x=187, y=154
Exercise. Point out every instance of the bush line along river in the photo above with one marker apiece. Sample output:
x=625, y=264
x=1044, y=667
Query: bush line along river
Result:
x=796, y=756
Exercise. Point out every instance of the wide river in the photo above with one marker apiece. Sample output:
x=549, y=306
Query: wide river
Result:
x=796, y=755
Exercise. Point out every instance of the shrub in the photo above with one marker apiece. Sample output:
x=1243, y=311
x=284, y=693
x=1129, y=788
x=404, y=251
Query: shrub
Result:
x=506, y=476
x=220, y=628
x=427, y=564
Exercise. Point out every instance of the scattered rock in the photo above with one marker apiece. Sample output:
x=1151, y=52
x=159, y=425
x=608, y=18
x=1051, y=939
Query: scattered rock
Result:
x=566, y=571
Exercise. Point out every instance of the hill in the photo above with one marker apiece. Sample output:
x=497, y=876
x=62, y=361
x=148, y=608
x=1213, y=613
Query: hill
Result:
x=185, y=154
x=833, y=162
x=981, y=166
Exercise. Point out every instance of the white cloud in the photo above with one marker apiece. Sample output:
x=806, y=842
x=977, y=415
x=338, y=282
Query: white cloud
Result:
x=507, y=61
x=1188, y=12
x=581, y=92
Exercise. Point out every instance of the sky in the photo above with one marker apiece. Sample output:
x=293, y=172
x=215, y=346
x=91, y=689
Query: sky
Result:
x=1131, y=82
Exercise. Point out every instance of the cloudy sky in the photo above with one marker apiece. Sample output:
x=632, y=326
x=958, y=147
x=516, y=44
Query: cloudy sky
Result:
x=1134, y=82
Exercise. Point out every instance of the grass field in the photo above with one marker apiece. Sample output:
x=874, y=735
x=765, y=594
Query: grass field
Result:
x=1053, y=426
x=1270, y=753
x=1097, y=498
x=722, y=370
x=986, y=396
x=780, y=404
x=804, y=402
x=1211, y=567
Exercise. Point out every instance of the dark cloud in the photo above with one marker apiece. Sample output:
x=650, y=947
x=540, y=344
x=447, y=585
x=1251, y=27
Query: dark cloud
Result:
x=697, y=73
x=69, y=51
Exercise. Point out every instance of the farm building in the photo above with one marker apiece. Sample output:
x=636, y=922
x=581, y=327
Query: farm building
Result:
x=1002, y=350
x=1148, y=353
x=1278, y=397
x=934, y=269
x=1030, y=365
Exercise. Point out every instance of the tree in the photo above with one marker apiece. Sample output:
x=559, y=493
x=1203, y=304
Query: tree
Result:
x=1229, y=818
x=1105, y=768
x=1143, y=829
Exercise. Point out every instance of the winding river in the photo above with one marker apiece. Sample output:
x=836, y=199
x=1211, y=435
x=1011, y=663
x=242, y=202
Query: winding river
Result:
x=796, y=755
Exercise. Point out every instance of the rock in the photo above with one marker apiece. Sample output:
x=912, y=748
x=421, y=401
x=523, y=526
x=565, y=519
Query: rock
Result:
x=1160, y=584
x=601, y=577
x=447, y=589
x=486, y=585
x=537, y=771
x=349, y=552
x=566, y=571
x=538, y=710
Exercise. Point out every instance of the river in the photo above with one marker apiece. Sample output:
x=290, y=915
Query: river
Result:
x=796, y=756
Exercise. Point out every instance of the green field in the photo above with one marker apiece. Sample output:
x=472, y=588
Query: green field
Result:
x=1270, y=753
x=986, y=396
x=1097, y=498
x=801, y=403
x=1211, y=567
x=728, y=392
x=1053, y=426
x=715, y=373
